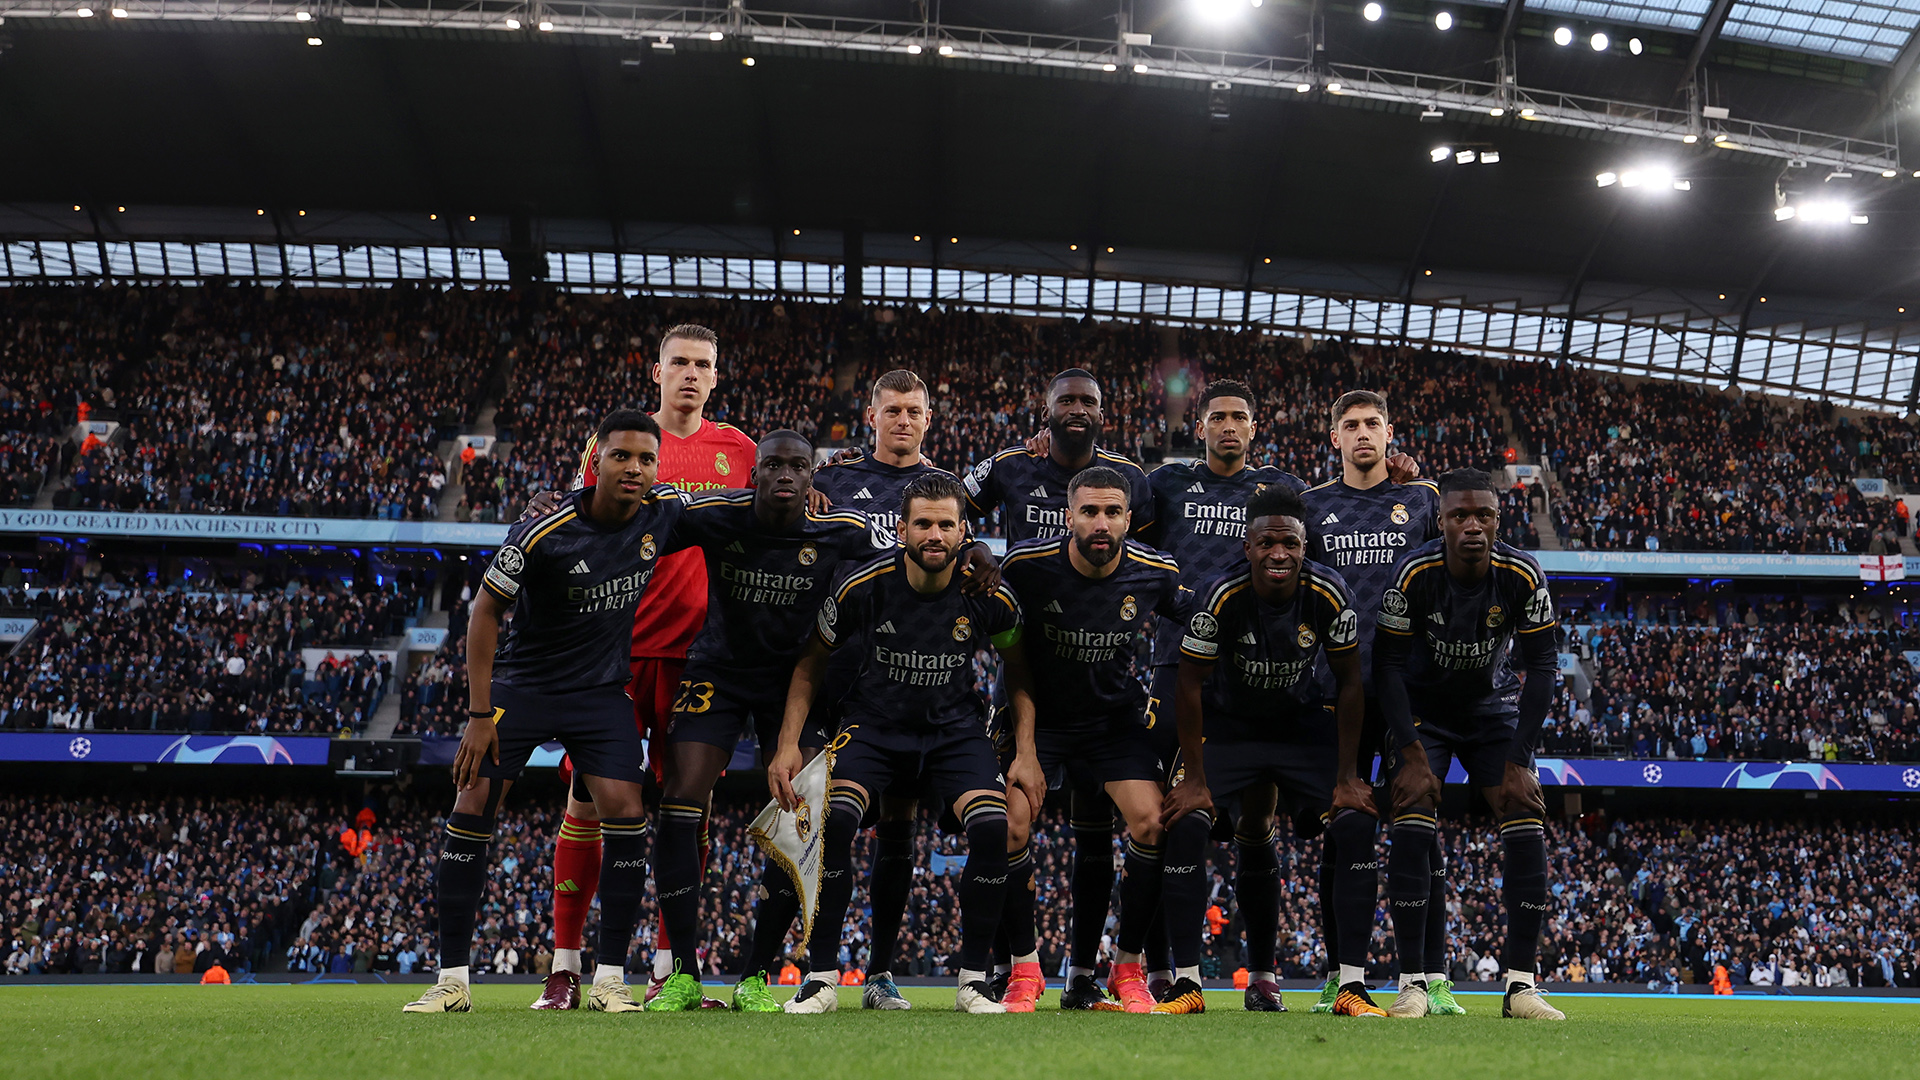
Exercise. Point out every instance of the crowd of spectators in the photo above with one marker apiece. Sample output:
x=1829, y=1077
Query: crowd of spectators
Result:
x=140, y=658
x=289, y=883
x=1662, y=465
x=1778, y=681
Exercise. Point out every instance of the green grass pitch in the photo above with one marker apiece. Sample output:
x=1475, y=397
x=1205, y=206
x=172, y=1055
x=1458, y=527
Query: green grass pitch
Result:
x=349, y=1032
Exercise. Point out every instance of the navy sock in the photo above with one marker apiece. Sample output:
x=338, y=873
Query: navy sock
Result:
x=1409, y=886
x=458, y=882
x=1183, y=885
x=887, y=890
x=1092, y=884
x=1436, y=951
x=983, y=883
x=1017, y=928
x=1329, y=911
x=1139, y=895
x=676, y=870
x=1258, y=887
x=845, y=809
x=772, y=918
x=1356, y=885
x=623, y=883
x=1524, y=874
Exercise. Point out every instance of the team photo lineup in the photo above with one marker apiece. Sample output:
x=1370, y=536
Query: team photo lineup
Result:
x=1373, y=629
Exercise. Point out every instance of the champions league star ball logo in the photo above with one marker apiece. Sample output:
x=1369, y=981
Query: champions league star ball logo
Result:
x=1305, y=638
x=1128, y=609
x=1911, y=778
x=962, y=629
x=808, y=554
x=510, y=560
x=1652, y=774
x=1400, y=515
x=646, y=546
x=721, y=465
x=80, y=747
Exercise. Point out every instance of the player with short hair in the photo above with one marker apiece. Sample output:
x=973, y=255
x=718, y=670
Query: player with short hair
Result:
x=1087, y=596
x=1448, y=688
x=572, y=580
x=914, y=716
x=770, y=562
x=696, y=455
x=899, y=411
x=1360, y=525
x=1028, y=486
x=1255, y=706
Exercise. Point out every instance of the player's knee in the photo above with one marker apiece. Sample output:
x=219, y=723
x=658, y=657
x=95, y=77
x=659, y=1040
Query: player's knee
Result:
x=1019, y=832
x=1147, y=832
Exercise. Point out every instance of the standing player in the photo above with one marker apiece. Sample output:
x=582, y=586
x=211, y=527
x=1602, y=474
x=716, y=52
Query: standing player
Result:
x=1029, y=488
x=1263, y=717
x=914, y=715
x=572, y=580
x=1448, y=689
x=770, y=561
x=1087, y=596
x=696, y=454
x=1360, y=525
x=899, y=412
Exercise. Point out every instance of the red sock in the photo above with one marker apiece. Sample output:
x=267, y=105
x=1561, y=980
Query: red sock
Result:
x=660, y=942
x=576, y=876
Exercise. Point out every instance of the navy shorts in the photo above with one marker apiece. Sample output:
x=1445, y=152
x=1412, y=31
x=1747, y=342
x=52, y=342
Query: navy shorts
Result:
x=1163, y=728
x=595, y=725
x=947, y=761
x=717, y=708
x=1482, y=751
x=1091, y=756
x=1303, y=772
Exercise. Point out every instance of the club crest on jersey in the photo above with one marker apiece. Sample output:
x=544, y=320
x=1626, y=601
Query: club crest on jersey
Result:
x=510, y=560
x=808, y=554
x=720, y=463
x=1304, y=638
x=1128, y=609
x=1495, y=616
x=962, y=629
x=647, y=548
x=1400, y=515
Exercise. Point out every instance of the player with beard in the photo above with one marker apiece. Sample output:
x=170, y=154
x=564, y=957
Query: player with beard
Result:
x=1087, y=596
x=1360, y=525
x=1028, y=486
x=1443, y=661
x=914, y=716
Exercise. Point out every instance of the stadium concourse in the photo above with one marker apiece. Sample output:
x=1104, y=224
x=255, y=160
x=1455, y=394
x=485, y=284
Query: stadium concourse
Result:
x=272, y=882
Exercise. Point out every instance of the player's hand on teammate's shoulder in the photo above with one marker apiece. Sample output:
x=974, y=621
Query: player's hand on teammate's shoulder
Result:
x=781, y=770
x=1402, y=469
x=481, y=741
x=1353, y=793
x=541, y=504
x=817, y=501
x=1042, y=444
x=1187, y=796
x=844, y=455
x=979, y=570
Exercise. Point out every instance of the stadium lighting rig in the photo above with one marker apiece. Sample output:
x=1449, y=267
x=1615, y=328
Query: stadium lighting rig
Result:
x=1652, y=178
x=1464, y=155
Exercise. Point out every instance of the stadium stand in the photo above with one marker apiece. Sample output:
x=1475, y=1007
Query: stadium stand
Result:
x=272, y=883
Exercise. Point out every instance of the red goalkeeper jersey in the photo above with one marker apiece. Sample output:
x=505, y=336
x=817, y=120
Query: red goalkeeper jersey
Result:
x=674, y=607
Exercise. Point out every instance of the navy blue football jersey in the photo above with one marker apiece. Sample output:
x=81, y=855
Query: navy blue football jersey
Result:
x=1200, y=518
x=917, y=671
x=869, y=486
x=1363, y=534
x=763, y=588
x=1270, y=681
x=1030, y=492
x=1448, y=642
x=573, y=586
x=1080, y=631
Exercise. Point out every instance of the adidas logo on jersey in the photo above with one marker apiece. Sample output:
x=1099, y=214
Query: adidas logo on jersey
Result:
x=1330, y=519
x=863, y=493
x=1196, y=488
x=885, y=628
x=1038, y=493
x=736, y=548
x=580, y=568
x=1053, y=608
x=1434, y=616
x=1248, y=639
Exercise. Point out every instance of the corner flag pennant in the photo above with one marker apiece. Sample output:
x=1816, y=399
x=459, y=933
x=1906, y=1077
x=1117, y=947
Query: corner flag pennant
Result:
x=796, y=841
x=1883, y=568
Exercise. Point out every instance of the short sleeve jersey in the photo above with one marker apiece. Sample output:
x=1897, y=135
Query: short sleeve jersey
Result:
x=573, y=586
x=869, y=486
x=917, y=672
x=1455, y=638
x=763, y=587
x=1080, y=631
x=1269, y=681
x=1362, y=534
x=1030, y=492
x=1201, y=520
x=716, y=457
